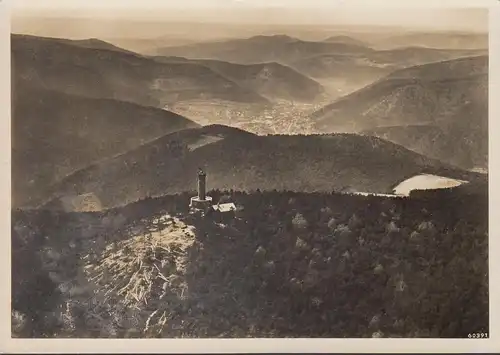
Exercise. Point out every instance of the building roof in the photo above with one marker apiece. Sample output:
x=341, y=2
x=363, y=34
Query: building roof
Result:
x=224, y=207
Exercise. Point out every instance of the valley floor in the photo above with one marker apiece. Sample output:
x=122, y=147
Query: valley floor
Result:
x=283, y=117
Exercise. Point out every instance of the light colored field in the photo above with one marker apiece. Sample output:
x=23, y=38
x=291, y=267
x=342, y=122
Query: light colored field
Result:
x=205, y=140
x=426, y=182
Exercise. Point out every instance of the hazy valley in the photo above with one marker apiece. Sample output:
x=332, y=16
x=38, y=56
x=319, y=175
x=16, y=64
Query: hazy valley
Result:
x=351, y=155
x=388, y=93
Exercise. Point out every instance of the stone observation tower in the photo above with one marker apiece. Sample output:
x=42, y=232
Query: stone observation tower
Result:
x=202, y=201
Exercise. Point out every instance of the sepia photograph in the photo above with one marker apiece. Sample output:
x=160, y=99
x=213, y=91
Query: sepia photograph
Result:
x=249, y=169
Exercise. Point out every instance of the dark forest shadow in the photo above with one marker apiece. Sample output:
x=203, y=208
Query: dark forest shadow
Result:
x=288, y=265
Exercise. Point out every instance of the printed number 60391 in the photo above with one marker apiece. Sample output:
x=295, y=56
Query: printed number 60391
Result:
x=478, y=335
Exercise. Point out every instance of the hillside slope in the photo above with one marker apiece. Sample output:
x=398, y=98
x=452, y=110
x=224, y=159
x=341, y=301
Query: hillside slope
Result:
x=54, y=134
x=342, y=74
x=290, y=265
x=463, y=143
x=271, y=80
x=111, y=74
x=239, y=160
x=450, y=97
x=375, y=63
x=344, y=66
x=445, y=69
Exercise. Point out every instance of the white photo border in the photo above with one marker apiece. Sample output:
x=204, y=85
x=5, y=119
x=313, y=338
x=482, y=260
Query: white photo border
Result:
x=492, y=344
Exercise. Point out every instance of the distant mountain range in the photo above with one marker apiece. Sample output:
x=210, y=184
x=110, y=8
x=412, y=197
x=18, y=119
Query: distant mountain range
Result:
x=91, y=43
x=79, y=69
x=82, y=109
x=373, y=65
x=445, y=40
x=414, y=55
x=341, y=64
x=346, y=40
x=261, y=49
x=288, y=50
x=236, y=159
x=271, y=80
x=342, y=74
x=54, y=134
x=438, y=109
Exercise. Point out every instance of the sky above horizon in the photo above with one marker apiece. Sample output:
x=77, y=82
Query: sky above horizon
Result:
x=426, y=14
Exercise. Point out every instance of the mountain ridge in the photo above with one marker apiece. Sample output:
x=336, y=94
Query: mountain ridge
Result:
x=445, y=94
x=55, y=133
x=271, y=79
x=170, y=163
x=127, y=76
x=258, y=49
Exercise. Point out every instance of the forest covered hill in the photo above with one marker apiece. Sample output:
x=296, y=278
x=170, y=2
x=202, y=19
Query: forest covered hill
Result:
x=289, y=265
x=236, y=159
